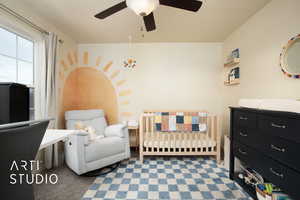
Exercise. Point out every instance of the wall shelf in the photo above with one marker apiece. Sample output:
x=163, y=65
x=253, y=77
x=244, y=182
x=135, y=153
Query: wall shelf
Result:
x=232, y=63
x=234, y=82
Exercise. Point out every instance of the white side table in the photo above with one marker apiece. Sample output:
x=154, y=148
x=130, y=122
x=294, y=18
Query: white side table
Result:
x=50, y=144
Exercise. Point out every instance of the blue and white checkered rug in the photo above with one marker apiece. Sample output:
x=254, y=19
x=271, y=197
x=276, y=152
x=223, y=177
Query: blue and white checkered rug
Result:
x=166, y=178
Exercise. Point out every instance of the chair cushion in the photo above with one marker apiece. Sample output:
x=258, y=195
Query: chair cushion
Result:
x=115, y=130
x=83, y=114
x=104, y=147
x=92, y=118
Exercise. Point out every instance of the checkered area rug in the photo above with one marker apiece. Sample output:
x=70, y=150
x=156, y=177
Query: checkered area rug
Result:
x=166, y=178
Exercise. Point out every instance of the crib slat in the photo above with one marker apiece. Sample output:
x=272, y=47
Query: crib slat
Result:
x=207, y=134
x=169, y=142
x=151, y=132
x=147, y=132
x=213, y=129
x=185, y=142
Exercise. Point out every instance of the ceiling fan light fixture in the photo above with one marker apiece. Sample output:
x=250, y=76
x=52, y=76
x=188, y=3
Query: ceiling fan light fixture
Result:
x=142, y=7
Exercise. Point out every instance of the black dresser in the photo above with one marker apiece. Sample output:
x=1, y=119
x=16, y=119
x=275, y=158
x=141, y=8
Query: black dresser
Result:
x=269, y=143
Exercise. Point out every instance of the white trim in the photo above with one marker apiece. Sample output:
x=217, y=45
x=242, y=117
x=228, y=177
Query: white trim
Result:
x=16, y=57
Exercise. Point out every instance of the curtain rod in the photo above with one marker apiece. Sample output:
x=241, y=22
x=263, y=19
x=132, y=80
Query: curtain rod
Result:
x=25, y=20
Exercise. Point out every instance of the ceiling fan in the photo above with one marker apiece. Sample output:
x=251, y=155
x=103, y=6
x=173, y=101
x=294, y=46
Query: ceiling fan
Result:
x=145, y=9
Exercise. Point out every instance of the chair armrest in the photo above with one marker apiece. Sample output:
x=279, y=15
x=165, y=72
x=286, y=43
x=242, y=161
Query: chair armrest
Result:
x=118, y=130
x=75, y=151
x=81, y=138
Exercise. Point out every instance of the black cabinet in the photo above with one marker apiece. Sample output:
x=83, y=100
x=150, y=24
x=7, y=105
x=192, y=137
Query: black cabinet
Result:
x=268, y=142
x=14, y=103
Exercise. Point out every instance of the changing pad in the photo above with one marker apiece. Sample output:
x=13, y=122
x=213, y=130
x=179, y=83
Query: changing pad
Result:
x=286, y=105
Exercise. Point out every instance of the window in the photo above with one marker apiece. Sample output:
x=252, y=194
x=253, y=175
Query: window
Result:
x=16, y=62
x=16, y=58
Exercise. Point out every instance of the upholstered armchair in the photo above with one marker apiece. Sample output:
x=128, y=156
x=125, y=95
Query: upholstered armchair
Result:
x=84, y=154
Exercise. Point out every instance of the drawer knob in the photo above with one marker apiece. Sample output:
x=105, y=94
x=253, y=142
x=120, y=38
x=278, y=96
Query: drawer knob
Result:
x=242, y=152
x=277, y=148
x=278, y=126
x=243, y=134
x=243, y=118
x=276, y=173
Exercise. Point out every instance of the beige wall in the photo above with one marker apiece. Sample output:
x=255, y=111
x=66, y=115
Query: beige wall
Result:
x=167, y=76
x=260, y=41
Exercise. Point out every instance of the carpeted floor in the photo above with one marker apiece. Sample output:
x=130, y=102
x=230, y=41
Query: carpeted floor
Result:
x=69, y=187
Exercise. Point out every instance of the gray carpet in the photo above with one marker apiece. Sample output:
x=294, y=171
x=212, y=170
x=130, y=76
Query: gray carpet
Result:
x=69, y=187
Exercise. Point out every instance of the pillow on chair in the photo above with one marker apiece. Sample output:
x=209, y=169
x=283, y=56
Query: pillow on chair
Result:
x=115, y=130
x=90, y=130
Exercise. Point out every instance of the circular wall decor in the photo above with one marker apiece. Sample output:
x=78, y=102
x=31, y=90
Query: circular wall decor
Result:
x=290, y=58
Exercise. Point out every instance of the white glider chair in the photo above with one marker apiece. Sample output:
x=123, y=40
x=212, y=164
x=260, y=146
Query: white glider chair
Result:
x=83, y=154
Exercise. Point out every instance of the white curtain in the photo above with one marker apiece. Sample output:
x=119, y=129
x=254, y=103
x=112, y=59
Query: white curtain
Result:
x=47, y=92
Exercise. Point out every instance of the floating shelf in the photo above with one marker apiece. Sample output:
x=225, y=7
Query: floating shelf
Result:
x=235, y=82
x=232, y=63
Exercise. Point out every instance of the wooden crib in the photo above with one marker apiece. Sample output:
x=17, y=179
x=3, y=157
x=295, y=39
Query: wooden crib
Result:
x=179, y=143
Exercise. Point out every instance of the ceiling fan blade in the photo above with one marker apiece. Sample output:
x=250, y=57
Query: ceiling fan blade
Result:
x=191, y=5
x=150, y=22
x=112, y=10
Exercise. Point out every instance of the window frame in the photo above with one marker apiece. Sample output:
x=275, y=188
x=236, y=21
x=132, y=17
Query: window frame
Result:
x=19, y=59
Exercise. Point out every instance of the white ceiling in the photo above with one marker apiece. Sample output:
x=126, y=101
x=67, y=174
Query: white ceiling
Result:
x=213, y=23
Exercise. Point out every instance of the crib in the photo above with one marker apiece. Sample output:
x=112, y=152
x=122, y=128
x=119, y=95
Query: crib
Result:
x=185, y=143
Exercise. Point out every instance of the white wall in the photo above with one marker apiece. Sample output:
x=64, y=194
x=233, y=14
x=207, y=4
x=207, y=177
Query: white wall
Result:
x=260, y=41
x=168, y=76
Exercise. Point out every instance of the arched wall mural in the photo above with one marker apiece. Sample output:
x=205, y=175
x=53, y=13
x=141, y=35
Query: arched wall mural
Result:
x=89, y=84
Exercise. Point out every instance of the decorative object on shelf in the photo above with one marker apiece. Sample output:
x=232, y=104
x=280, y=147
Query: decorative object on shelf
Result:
x=232, y=75
x=234, y=56
x=235, y=53
x=290, y=59
x=130, y=63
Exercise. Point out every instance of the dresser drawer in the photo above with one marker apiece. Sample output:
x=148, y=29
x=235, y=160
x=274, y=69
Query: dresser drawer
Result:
x=245, y=154
x=282, y=150
x=245, y=120
x=282, y=127
x=285, y=178
x=246, y=136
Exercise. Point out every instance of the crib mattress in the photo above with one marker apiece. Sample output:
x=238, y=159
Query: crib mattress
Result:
x=180, y=143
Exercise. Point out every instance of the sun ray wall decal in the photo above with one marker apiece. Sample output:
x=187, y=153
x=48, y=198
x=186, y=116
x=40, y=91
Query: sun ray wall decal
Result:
x=107, y=66
x=70, y=59
x=84, y=85
x=124, y=93
x=115, y=74
x=98, y=61
x=121, y=82
x=75, y=57
x=85, y=58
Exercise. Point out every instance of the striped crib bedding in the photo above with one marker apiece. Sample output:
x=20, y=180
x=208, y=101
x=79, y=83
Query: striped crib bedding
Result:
x=180, y=121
